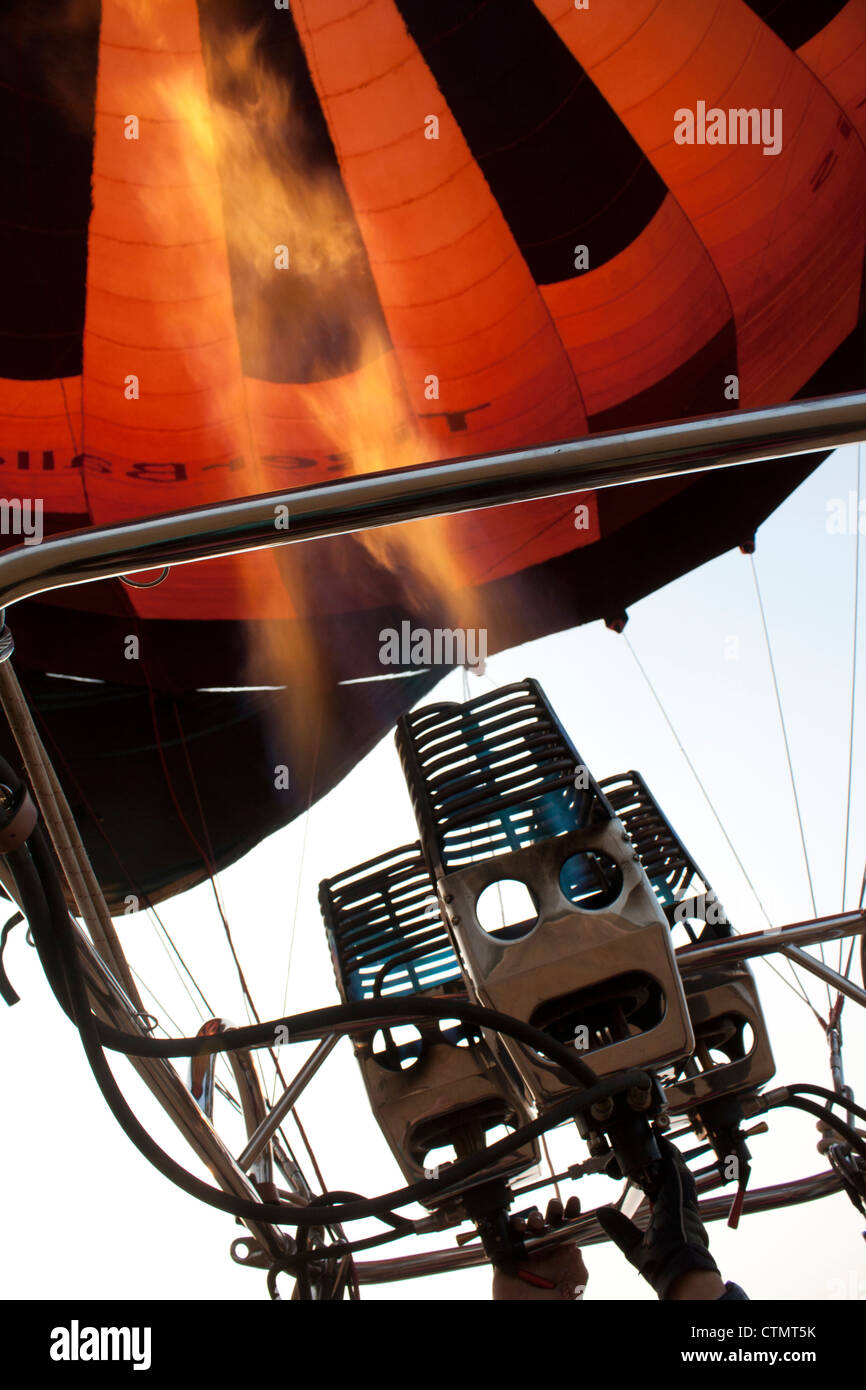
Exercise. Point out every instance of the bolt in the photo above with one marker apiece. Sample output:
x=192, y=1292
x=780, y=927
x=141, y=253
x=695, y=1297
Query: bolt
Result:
x=602, y=1110
x=751, y=1105
x=639, y=1097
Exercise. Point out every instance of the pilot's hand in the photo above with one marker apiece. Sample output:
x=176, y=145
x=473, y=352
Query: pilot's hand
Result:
x=559, y=1273
x=673, y=1253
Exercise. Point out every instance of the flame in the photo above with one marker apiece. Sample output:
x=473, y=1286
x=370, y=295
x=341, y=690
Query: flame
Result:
x=232, y=130
x=258, y=144
x=274, y=198
x=368, y=419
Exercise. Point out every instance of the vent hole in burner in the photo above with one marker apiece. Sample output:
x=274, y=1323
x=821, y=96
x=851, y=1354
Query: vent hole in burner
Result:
x=590, y=880
x=506, y=909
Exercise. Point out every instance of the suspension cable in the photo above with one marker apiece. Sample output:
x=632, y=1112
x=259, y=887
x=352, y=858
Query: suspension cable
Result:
x=793, y=984
x=247, y=993
x=788, y=758
x=307, y=818
x=697, y=777
x=853, y=691
x=784, y=728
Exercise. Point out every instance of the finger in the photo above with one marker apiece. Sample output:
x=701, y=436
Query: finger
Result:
x=518, y=1226
x=619, y=1229
x=536, y=1222
x=572, y=1208
x=554, y=1212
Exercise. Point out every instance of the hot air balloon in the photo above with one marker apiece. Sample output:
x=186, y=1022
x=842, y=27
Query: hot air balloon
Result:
x=390, y=263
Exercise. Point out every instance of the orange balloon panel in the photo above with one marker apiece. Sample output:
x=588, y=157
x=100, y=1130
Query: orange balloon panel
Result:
x=786, y=231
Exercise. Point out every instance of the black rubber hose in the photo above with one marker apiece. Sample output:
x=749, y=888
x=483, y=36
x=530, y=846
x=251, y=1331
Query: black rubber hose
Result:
x=304, y=1291
x=832, y=1121
x=35, y=906
x=40, y=894
x=832, y=1097
x=401, y=1224
x=339, y=1249
x=368, y=1015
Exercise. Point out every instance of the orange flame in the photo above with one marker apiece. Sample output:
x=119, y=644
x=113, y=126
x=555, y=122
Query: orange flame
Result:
x=362, y=416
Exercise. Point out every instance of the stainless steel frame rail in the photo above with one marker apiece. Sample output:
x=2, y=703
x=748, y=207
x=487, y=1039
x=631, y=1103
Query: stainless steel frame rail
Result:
x=586, y=1231
x=760, y=943
x=405, y=494
x=788, y=941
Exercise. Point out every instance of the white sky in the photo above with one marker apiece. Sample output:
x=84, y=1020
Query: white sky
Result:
x=84, y=1216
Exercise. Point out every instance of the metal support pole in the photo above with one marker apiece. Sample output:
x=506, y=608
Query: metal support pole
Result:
x=272, y=1121
x=827, y=974
x=764, y=943
x=369, y=500
x=586, y=1231
x=112, y=1006
x=61, y=827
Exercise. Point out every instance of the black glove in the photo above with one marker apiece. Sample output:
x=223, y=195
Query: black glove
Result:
x=675, y=1240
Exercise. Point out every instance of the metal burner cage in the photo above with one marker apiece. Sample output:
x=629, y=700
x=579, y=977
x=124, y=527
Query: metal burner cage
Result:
x=494, y=775
x=384, y=929
x=442, y=1086
x=723, y=1001
x=501, y=793
x=673, y=873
